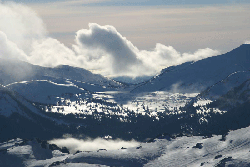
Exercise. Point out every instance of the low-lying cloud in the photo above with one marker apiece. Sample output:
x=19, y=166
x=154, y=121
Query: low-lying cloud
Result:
x=121, y=53
x=101, y=49
x=93, y=144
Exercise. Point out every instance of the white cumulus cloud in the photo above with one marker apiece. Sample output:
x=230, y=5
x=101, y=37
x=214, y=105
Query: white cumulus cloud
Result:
x=121, y=57
x=108, y=42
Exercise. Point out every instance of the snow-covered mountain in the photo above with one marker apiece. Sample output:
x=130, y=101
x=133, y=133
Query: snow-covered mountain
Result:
x=197, y=76
x=229, y=111
x=19, y=117
x=224, y=86
x=12, y=71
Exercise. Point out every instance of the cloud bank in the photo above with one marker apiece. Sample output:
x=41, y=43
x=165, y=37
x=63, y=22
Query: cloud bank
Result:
x=93, y=144
x=101, y=49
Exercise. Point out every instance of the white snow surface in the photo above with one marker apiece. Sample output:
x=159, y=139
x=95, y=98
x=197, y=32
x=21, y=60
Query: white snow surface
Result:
x=11, y=102
x=162, y=152
x=44, y=91
x=66, y=97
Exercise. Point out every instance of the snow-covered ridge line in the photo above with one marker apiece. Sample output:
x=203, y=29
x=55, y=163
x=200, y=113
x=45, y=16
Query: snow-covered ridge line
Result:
x=225, y=85
x=24, y=82
x=16, y=71
x=223, y=80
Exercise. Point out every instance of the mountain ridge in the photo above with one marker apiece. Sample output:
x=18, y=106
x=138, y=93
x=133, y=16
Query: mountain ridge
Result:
x=190, y=75
x=16, y=71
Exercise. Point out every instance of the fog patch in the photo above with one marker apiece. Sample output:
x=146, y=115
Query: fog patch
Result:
x=93, y=144
x=180, y=87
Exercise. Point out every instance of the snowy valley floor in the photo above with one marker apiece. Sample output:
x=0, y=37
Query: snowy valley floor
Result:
x=230, y=150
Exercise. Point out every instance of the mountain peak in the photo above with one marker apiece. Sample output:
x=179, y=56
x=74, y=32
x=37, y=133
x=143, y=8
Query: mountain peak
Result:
x=243, y=47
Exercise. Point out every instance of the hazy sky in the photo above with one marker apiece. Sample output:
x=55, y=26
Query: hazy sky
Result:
x=186, y=26
x=138, y=2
